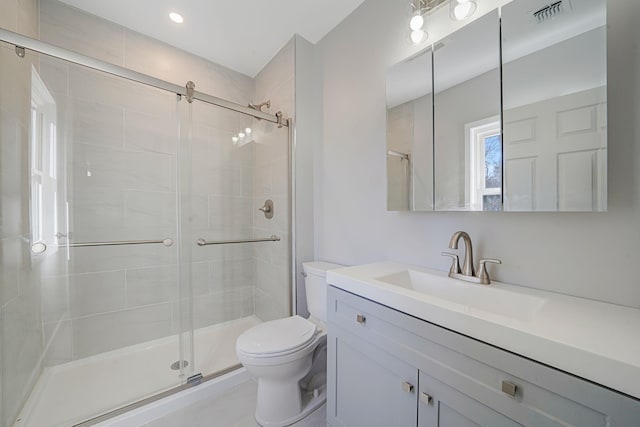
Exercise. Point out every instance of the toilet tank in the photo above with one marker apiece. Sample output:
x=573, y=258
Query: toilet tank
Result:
x=316, y=287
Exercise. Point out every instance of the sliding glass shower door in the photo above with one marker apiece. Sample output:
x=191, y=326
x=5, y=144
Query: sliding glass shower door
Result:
x=236, y=164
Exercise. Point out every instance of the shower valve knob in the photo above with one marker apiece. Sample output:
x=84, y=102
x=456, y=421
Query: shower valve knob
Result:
x=267, y=209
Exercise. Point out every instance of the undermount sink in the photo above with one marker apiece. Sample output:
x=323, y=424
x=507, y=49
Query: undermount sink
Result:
x=491, y=299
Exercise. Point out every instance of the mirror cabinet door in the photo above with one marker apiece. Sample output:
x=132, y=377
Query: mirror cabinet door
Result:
x=467, y=106
x=410, y=135
x=555, y=95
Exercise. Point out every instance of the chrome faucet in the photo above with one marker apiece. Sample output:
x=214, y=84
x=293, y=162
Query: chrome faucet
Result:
x=467, y=272
x=467, y=265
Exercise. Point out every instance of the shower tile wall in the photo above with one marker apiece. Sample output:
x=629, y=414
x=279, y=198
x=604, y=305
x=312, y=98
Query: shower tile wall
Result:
x=275, y=82
x=125, y=136
x=20, y=327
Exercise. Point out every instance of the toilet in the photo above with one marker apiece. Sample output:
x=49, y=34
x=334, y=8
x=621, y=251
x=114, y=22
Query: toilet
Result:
x=289, y=356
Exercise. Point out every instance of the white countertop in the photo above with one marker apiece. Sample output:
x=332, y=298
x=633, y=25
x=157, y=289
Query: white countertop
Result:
x=593, y=340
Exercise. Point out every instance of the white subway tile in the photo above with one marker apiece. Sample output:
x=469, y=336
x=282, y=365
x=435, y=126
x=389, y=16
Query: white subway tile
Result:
x=81, y=32
x=98, y=124
x=104, y=332
x=58, y=339
x=145, y=209
x=95, y=293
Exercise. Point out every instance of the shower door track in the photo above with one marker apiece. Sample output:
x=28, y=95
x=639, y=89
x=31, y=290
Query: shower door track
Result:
x=23, y=42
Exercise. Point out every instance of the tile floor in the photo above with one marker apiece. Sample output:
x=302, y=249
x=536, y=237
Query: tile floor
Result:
x=234, y=409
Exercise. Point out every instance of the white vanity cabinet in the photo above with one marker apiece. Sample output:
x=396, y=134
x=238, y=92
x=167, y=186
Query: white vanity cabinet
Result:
x=386, y=368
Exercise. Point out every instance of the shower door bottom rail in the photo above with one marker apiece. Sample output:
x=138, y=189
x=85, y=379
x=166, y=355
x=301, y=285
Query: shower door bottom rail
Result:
x=203, y=242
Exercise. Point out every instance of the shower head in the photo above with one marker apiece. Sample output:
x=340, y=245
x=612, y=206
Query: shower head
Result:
x=258, y=107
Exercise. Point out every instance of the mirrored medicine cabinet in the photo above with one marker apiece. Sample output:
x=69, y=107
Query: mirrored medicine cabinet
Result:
x=506, y=114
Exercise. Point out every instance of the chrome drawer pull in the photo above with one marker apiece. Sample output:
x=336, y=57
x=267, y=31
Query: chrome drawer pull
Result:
x=509, y=388
x=361, y=319
x=426, y=398
x=407, y=386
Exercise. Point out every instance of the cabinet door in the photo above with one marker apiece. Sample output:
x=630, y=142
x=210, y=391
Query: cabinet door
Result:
x=444, y=406
x=367, y=386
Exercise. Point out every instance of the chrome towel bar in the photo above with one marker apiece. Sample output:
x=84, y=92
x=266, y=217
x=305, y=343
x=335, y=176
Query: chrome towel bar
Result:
x=202, y=242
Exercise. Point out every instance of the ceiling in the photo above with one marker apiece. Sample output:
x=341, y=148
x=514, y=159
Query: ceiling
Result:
x=240, y=34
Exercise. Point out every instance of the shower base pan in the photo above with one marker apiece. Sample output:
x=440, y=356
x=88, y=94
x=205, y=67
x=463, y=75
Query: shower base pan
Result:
x=74, y=392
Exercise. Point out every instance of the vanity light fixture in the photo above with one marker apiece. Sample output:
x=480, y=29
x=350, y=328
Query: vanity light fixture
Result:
x=176, y=17
x=460, y=10
x=416, y=23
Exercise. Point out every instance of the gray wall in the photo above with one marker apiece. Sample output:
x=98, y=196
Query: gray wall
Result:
x=21, y=347
x=275, y=82
x=589, y=255
x=308, y=110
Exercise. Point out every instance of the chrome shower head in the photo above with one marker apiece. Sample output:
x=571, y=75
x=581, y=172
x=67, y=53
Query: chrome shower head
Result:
x=258, y=107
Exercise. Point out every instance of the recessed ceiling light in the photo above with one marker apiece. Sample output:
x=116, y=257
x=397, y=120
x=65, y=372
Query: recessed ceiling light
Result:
x=176, y=17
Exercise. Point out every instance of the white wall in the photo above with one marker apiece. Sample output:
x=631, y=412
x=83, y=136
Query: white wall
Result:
x=589, y=255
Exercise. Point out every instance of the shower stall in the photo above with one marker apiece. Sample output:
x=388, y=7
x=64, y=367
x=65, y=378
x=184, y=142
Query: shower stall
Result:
x=143, y=227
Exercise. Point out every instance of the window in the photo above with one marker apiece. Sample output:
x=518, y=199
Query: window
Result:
x=485, y=165
x=44, y=157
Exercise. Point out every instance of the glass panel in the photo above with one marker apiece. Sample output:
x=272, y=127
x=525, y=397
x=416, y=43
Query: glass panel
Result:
x=237, y=164
x=467, y=100
x=21, y=326
x=493, y=162
x=86, y=157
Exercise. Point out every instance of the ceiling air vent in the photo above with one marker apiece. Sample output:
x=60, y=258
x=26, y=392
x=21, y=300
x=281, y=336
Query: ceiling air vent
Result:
x=550, y=11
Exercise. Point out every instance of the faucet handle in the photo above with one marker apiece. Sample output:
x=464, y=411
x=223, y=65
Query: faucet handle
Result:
x=455, y=263
x=483, y=274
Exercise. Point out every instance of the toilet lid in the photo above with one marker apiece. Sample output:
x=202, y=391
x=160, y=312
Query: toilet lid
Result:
x=276, y=336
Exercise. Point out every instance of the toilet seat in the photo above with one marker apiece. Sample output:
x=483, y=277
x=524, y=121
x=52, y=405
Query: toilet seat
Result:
x=277, y=337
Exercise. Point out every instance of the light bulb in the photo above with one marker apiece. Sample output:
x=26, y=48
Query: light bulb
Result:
x=463, y=9
x=248, y=131
x=176, y=17
x=235, y=139
x=418, y=36
x=416, y=22
x=241, y=135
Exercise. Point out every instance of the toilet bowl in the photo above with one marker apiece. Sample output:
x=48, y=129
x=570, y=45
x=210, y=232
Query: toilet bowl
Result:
x=288, y=357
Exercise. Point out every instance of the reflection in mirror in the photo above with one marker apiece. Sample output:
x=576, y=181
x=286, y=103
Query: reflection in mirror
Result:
x=555, y=96
x=468, y=149
x=410, y=135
